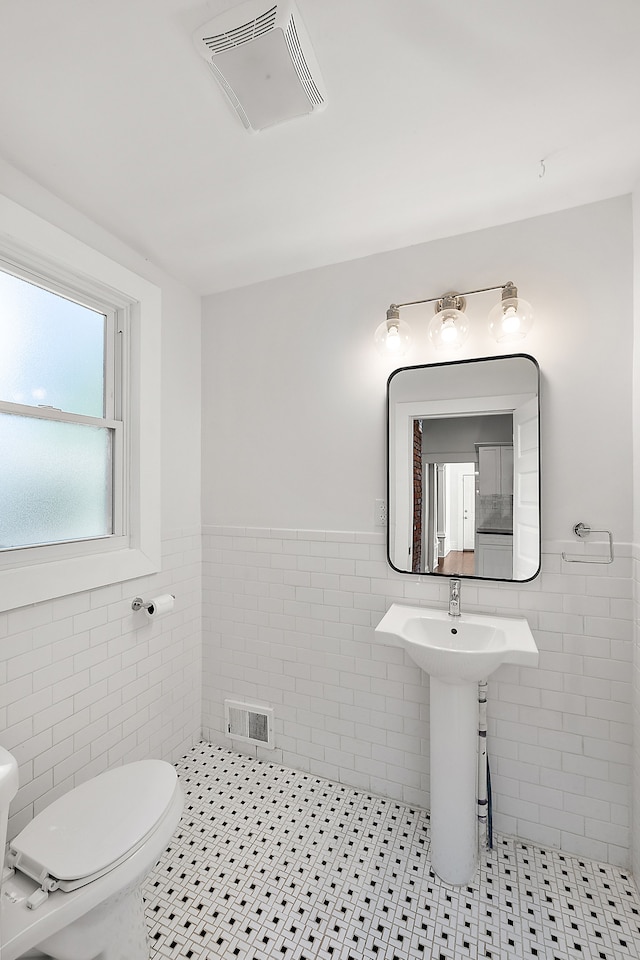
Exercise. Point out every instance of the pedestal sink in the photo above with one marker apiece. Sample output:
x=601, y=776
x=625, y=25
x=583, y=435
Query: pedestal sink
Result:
x=456, y=652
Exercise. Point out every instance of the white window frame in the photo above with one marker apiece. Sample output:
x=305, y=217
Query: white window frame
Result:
x=37, y=249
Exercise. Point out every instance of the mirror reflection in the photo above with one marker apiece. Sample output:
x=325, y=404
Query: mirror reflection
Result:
x=463, y=469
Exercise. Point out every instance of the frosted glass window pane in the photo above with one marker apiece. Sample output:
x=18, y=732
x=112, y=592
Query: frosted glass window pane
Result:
x=55, y=481
x=52, y=350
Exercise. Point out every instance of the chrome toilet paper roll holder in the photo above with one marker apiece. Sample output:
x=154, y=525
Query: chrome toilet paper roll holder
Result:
x=139, y=604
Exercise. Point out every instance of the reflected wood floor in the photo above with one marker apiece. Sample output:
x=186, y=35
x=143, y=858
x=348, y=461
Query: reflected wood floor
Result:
x=457, y=562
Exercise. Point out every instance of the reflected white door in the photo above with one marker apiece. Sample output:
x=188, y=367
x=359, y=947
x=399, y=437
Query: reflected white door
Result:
x=468, y=511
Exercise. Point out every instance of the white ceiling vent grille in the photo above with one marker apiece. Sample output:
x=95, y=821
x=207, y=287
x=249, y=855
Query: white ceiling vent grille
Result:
x=262, y=58
x=302, y=69
x=248, y=31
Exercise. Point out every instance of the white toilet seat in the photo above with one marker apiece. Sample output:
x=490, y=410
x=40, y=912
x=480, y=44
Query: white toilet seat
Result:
x=90, y=830
x=23, y=928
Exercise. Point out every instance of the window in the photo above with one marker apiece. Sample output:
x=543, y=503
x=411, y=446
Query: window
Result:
x=60, y=427
x=79, y=411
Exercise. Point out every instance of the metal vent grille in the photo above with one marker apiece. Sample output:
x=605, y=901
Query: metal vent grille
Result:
x=300, y=64
x=243, y=721
x=242, y=34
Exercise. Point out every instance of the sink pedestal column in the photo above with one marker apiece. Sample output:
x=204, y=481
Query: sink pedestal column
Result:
x=453, y=780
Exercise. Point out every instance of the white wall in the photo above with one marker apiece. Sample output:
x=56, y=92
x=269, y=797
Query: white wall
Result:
x=635, y=835
x=296, y=355
x=294, y=570
x=84, y=683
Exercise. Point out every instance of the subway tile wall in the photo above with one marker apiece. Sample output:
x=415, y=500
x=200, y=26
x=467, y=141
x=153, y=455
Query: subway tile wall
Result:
x=635, y=819
x=288, y=621
x=86, y=684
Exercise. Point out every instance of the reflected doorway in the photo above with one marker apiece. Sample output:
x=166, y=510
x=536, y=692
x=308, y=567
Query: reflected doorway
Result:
x=468, y=511
x=454, y=504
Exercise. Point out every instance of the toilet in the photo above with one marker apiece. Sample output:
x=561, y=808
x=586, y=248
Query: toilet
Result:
x=72, y=883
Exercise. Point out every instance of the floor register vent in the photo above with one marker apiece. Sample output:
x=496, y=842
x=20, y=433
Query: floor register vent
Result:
x=249, y=723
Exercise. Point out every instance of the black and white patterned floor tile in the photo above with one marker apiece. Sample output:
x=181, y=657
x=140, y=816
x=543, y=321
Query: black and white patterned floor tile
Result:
x=273, y=864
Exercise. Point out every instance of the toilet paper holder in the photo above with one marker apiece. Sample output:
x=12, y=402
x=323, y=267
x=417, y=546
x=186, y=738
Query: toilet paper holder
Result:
x=139, y=604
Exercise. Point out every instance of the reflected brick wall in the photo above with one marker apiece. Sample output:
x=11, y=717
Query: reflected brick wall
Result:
x=416, y=565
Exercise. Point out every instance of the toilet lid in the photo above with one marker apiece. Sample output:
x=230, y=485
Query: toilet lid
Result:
x=99, y=822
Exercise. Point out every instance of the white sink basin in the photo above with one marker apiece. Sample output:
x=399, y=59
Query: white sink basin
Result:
x=462, y=649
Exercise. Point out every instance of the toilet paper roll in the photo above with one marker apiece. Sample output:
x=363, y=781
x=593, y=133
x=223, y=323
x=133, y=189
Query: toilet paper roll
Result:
x=157, y=606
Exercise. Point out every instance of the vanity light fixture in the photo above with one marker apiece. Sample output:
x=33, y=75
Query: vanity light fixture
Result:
x=393, y=336
x=511, y=319
x=449, y=328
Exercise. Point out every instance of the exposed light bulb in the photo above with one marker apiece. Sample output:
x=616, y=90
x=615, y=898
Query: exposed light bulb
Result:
x=393, y=335
x=393, y=338
x=511, y=321
x=512, y=318
x=448, y=329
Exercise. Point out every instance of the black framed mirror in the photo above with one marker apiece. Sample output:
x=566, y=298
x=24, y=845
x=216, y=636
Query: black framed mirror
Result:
x=463, y=468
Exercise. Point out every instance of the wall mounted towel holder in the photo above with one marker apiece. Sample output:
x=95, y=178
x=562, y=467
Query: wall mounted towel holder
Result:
x=583, y=530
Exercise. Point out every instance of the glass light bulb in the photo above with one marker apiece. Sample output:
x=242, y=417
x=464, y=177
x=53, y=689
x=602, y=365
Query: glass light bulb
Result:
x=449, y=332
x=510, y=319
x=448, y=329
x=393, y=338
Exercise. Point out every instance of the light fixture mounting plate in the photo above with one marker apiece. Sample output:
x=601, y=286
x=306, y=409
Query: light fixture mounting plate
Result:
x=451, y=301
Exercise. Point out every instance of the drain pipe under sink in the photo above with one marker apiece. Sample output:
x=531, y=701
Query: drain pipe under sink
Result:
x=484, y=839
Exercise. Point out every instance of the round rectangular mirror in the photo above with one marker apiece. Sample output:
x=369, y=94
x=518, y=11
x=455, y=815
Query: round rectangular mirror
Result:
x=463, y=462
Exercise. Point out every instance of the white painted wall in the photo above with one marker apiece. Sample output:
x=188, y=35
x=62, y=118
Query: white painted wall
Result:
x=294, y=358
x=635, y=830
x=85, y=683
x=294, y=570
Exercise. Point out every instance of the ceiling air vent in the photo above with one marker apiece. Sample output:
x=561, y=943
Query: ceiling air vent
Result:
x=262, y=58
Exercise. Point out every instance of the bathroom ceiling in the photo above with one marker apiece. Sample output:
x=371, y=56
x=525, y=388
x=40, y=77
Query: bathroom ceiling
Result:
x=439, y=113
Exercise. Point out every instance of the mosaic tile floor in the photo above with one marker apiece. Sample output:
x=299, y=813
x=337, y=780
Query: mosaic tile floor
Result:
x=272, y=864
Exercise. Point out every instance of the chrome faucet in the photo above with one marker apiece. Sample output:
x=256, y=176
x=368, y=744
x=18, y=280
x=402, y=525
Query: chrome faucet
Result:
x=454, y=597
